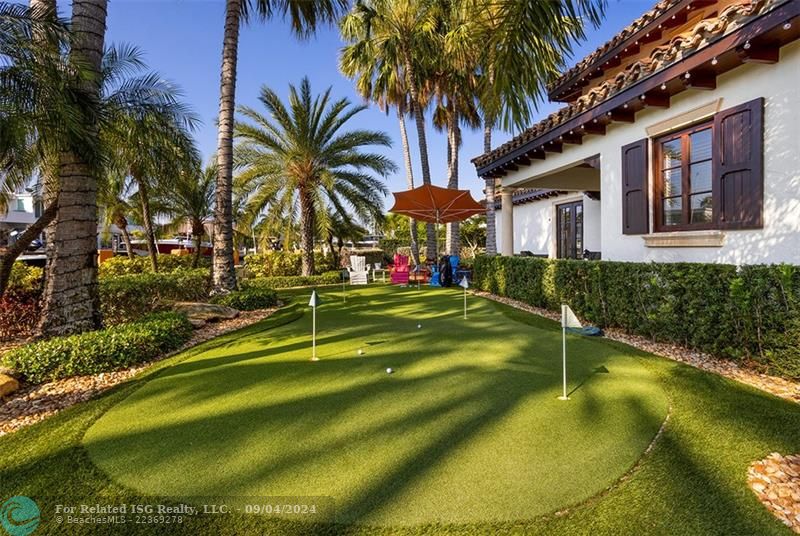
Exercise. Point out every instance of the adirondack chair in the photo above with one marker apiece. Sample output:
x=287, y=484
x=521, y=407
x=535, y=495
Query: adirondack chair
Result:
x=454, y=260
x=400, y=270
x=358, y=270
x=436, y=276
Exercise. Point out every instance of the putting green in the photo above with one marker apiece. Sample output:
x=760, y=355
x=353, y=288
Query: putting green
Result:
x=468, y=428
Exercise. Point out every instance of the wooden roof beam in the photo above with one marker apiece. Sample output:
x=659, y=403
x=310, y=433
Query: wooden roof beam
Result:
x=553, y=147
x=700, y=80
x=593, y=127
x=758, y=53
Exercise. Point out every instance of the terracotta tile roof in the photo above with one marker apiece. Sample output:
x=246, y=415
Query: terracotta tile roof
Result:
x=528, y=195
x=704, y=32
x=659, y=9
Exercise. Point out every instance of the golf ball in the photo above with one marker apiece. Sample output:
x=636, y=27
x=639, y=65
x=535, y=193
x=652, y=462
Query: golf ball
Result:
x=360, y=351
x=419, y=326
x=389, y=370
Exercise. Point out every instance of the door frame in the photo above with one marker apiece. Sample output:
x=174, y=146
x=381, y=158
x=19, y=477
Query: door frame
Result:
x=557, y=235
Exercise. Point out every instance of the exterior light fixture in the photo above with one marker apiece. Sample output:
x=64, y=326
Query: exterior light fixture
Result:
x=687, y=76
x=714, y=61
x=747, y=45
x=787, y=26
x=663, y=87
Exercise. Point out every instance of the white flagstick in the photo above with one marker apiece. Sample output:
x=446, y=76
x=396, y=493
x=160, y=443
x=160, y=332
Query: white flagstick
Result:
x=465, y=284
x=568, y=320
x=314, y=302
x=344, y=291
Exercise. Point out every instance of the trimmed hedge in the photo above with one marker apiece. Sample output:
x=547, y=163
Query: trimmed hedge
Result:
x=284, y=263
x=328, y=278
x=248, y=299
x=93, y=352
x=748, y=313
x=123, y=265
x=127, y=298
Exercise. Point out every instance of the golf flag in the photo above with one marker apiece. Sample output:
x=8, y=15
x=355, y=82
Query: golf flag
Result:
x=313, y=303
x=568, y=318
x=464, y=283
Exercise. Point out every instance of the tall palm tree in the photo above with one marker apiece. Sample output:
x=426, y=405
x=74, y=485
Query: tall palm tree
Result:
x=522, y=46
x=379, y=77
x=401, y=33
x=190, y=201
x=304, y=17
x=299, y=159
x=71, y=302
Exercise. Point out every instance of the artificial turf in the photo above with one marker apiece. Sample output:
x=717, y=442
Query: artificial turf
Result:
x=466, y=437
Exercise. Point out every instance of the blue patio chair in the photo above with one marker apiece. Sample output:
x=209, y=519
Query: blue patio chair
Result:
x=454, y=259
x=436, y=280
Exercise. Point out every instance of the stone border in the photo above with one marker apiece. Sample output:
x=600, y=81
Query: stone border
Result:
x=776, y=482
x=34, y=403
x=781, y=387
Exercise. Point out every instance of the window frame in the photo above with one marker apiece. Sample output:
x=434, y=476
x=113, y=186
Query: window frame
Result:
x=686, y=194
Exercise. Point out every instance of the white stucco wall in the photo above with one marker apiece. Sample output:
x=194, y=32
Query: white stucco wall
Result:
x=535, y=224
x=779, y=240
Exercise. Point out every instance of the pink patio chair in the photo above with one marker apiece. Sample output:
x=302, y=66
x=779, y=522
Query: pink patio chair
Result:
x=400, y=270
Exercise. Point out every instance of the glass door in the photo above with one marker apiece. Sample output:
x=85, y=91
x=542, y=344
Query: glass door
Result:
x=569, y=230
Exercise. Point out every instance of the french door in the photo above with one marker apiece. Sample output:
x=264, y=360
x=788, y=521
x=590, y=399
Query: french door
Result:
x=569, y=230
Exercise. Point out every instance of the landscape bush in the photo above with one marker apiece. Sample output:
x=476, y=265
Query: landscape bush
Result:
x=328, y=278
x=126, y=298
x=25, y=278
x=123, y=265
x=105, y=350
x=19, y=305
x=285, y=263
x=748, y=313
x=248, y=299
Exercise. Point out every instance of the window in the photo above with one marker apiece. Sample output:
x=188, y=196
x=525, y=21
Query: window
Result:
x=20, y=205
x=684, y=197
x=569, y=235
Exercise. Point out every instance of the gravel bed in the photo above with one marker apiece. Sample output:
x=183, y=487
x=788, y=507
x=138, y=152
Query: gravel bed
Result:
x=33, y=403
x=776, y=482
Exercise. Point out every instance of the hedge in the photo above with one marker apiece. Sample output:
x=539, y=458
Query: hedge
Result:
x=284, y=263
x=248, y=299
x=93, y=352
x=127, y=298
x=748, y=313
x=328, y=278
x=123, y=265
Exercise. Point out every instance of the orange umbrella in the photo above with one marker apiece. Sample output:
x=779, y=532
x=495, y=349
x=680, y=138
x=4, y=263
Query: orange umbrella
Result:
x=436, y=205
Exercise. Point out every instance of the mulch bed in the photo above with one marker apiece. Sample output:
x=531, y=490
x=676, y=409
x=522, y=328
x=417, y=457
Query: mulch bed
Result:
x=776, y=482
x=33, y=403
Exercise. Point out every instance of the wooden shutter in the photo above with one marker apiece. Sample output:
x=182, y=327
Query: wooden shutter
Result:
x=634, y=188
x=738, y=185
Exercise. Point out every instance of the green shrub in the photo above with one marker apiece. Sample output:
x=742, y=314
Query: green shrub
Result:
x=328, y=278
x=285, y=263
x=26, y=279
x=122, y=265
x=751, y=313
x=248, y=299
x=92, y=352
x=126, y=298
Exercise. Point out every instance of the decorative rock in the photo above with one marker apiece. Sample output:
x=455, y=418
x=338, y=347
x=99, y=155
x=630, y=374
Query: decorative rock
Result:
x=205, y=312
x=779, y=492
x=8, y=385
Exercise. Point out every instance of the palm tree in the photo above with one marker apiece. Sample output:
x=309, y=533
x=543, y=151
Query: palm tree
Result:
x=191, y=201
x=304, y=16
x=114, y=196
x=145, y=130
x=404, y=30
x=71, y=302
x=379, y=77
x=298, y=158
x=522, y=45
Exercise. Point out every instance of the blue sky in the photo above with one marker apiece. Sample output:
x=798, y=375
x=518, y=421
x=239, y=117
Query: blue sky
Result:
x=182, y=40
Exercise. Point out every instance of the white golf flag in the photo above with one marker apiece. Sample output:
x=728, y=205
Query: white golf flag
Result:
x=568, y=318
x=464, y=283
x=314, y=301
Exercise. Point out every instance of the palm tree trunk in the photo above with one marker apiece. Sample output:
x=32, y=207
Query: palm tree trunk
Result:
x=410, y=181
x=453, y=241
x=147, y=221
x=419, y=119
x=307, y=227
x=71, y=298
x=198, y=239
x=22, y=243
x=491, y=228
x=126, y=237
x=224, y=271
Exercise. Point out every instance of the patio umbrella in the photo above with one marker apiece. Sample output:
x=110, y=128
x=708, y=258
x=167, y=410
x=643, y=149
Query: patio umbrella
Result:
x=437, y=205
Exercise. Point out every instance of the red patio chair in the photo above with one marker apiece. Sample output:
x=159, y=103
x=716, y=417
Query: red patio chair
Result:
x=399, y=272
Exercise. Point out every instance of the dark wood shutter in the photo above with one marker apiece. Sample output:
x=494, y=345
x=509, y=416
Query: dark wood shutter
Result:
x=738, y=185
x=634, y=188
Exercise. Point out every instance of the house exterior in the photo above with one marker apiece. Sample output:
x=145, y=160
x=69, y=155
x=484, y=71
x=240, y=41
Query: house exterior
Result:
x=679, y=141
x=23, y=209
